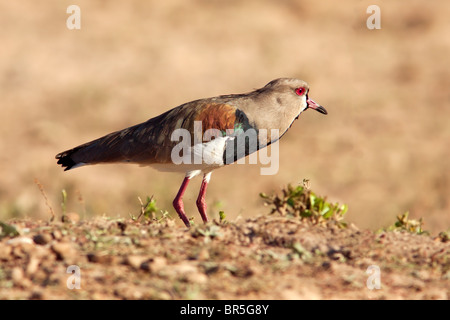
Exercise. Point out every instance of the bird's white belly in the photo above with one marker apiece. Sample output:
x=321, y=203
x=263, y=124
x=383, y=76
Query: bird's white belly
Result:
x=203, y=156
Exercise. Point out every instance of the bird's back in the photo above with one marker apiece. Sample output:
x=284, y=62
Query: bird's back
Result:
x=151, y=142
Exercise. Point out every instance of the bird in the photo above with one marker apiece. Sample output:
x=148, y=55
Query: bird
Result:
x=178, y=141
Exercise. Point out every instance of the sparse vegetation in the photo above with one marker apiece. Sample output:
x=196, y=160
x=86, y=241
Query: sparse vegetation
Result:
x=404, y=223
x=7, y=230
x=444, y=236
x=150, y=211
x=222, y=217
x=302, y=202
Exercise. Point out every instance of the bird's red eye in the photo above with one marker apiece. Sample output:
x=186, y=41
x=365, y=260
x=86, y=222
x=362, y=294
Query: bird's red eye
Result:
x=300, y=91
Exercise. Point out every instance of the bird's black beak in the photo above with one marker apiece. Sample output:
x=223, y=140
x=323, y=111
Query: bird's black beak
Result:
x=315, y=106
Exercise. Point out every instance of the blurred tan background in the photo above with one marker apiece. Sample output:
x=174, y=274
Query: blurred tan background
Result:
x=383, y=149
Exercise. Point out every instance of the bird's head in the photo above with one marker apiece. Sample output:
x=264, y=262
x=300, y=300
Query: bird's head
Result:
x=292, y=93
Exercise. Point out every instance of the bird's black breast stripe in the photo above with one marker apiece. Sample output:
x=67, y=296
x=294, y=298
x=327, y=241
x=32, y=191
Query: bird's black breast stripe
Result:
x=245, y=139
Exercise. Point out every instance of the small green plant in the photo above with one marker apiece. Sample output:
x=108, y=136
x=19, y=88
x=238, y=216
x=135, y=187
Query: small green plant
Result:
x=208, y=232
x=298, y=251
x=403, y=223
x=222, y=217
x=7, y=230
x=64, y=201
x=302, y=202
x=150, y=210
x=63, y=205
x=164, y=216
x=444, y=236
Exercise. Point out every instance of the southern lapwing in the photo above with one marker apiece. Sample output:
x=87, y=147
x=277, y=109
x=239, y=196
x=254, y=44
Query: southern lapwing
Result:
x=212, y=128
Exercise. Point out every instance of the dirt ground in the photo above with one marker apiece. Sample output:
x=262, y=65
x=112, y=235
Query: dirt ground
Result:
x=266, y=257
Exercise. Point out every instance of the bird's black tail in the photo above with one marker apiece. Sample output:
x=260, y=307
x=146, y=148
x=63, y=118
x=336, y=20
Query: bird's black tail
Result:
x=133, y=144
x=65, y=158
x=107, y=149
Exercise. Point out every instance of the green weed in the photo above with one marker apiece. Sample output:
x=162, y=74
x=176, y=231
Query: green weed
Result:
x=303, y=203
x=222, y=217
x=151, y=211
x=7, y=230
x=403, y=223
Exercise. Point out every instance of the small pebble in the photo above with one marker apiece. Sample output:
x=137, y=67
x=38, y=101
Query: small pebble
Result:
x=72, y=217
x=33, y=265
x=154, y=265
x=57, y=234
x=17, y=275
x=196, y=277
x=42, y=239
x=101, y=258
x=64, y=251
x=5, y=252
x=37, y=295
x=135, y=261
x=20, y=240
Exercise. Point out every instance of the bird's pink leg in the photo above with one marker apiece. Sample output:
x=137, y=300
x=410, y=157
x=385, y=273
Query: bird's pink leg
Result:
x=178, y=202
x=201, y=202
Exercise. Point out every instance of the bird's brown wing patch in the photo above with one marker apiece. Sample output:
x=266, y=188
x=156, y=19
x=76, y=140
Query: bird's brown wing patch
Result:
x=221, y=117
